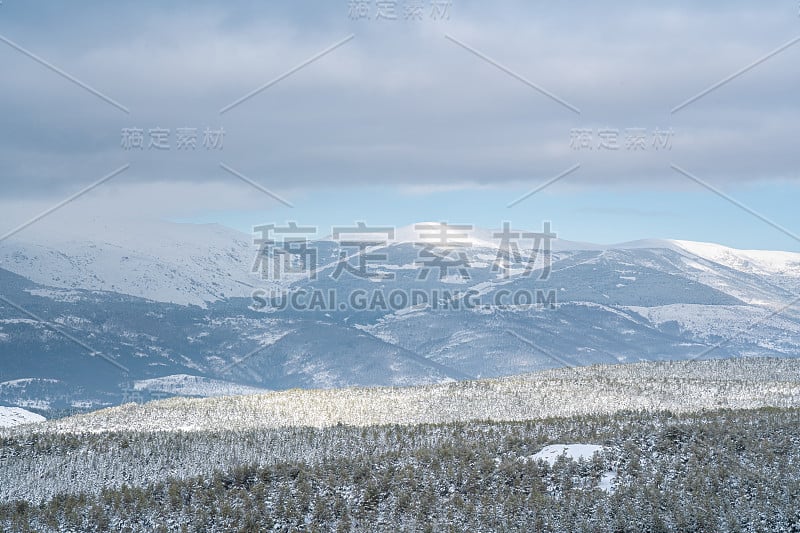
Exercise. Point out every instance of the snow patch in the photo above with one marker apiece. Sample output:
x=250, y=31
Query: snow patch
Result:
x=551, y=453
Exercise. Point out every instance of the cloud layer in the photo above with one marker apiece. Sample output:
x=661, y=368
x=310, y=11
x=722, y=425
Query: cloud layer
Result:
x=400, y=104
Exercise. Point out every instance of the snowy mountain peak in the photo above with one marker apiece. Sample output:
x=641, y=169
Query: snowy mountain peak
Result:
x=438, y=232
x=763, y=262
x=160, y=261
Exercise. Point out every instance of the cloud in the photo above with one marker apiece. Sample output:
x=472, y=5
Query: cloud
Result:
x=399, y=105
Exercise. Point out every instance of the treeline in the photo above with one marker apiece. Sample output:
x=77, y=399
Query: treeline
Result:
x=716, y=471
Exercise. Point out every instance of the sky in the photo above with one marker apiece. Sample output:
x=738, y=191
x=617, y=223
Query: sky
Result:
x=615, y=122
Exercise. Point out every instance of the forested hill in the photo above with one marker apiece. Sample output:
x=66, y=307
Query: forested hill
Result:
x=678, y=386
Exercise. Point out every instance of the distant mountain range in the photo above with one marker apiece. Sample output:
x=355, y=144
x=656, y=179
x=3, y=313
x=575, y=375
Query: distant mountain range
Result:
x=132, y=312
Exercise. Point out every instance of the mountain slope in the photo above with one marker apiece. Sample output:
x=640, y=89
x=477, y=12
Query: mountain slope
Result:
x=172, y=263
x=14, y=416
x=143, y=303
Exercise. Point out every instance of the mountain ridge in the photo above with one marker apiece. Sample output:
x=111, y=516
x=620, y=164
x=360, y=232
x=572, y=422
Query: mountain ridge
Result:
x=654, y=300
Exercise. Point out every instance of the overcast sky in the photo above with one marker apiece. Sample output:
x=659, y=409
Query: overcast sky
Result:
x=451, y=112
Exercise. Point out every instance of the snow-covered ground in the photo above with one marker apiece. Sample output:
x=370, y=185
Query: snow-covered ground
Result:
x=15, y=416
x=551, y=453
x=576, y=452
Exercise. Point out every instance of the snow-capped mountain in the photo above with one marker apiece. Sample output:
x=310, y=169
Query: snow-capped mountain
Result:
x=200, y=263
x=102, y=315
x=164, y=262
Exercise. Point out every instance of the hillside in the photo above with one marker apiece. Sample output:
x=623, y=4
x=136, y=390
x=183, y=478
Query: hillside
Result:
x=673, y=386
x=718, y=470
x=568, y=449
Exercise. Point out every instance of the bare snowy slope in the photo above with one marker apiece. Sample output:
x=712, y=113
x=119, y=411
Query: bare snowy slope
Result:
x=15, y=416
